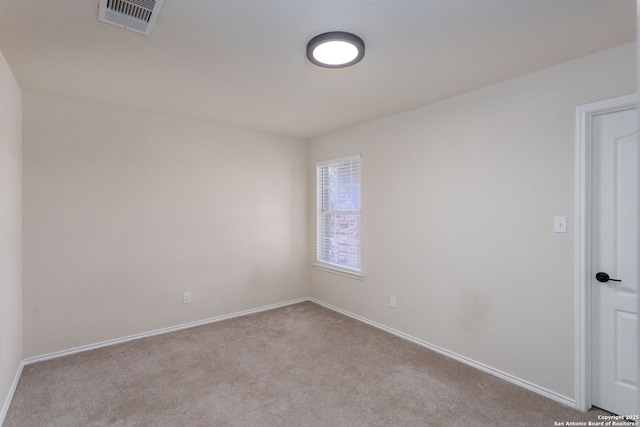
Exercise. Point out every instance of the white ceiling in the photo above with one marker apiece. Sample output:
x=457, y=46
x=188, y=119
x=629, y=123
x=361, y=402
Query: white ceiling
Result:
x=242, y=63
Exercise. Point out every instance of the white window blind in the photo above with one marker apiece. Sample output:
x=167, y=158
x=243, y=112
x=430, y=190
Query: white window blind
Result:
x=338, y=214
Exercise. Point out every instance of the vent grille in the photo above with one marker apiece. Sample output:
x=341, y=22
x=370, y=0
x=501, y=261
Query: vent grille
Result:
x=135, y=15
x=136, y=9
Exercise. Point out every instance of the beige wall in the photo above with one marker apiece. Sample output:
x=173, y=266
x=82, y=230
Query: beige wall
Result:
x=10, y=229
x=458, y=204
x=125, y=211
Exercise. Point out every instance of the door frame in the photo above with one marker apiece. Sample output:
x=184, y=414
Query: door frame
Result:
x=582, y=263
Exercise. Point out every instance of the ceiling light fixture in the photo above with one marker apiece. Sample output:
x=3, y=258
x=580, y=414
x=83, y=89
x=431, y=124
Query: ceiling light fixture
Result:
x=336, y=49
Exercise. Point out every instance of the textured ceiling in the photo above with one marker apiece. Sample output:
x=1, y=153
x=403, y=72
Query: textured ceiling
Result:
x=241, y=62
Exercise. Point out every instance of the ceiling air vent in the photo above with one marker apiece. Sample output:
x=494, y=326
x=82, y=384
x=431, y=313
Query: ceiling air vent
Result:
x=135, y=15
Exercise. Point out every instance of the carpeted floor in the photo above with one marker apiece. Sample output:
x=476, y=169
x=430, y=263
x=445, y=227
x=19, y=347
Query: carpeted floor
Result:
x=301, y=365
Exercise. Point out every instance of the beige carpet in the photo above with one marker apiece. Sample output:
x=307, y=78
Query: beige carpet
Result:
x=301, y=365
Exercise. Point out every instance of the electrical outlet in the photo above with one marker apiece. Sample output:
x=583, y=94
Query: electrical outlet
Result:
x=392, y=302
x=186, y=298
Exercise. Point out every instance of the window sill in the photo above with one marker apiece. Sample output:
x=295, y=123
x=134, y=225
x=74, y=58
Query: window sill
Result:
x=340, y=271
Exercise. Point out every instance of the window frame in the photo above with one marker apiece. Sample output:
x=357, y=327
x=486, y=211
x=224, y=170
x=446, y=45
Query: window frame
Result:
x=322, y=265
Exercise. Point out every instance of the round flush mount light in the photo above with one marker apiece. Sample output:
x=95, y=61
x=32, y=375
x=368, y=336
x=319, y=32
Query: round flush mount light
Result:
x=336, y=49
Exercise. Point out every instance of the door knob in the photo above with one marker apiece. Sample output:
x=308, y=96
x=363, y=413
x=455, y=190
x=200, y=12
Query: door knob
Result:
x=604, y=277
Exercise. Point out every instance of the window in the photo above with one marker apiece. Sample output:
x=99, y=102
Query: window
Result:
x=338, y=215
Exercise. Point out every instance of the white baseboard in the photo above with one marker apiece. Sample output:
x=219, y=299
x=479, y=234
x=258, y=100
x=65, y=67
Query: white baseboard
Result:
x=488, y=369
x=467, y=361
x=12, y=391
x=80, y=349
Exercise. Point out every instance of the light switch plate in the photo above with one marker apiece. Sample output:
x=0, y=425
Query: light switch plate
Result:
x=560, y=224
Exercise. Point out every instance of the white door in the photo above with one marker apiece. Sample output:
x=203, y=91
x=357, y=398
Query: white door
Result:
x=614, y=241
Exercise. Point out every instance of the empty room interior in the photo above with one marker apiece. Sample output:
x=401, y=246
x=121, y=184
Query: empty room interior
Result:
x=158, y=179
